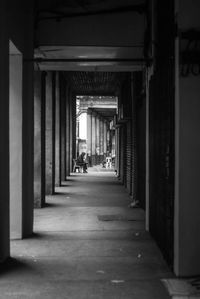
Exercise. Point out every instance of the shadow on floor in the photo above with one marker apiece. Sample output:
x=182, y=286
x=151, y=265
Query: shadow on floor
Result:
x=36, y=236
x=13, y=265
x=52, y=205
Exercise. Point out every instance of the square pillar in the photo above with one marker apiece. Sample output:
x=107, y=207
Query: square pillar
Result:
x=15, y=127
x=4, y=135
x=68, y=133
x=49, y=134
x=63, y=129
x=57, y=130
x=97, y=140
x=101, y=139
x=73, y=125
x=117, y=150
x=93, y=139
x=89, y=136
x=28, y=125
x=39, y=139
x=105, y=138
x=121, y=153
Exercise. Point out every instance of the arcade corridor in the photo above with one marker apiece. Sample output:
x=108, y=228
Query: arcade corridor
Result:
x=119, y=81
x=87, y=244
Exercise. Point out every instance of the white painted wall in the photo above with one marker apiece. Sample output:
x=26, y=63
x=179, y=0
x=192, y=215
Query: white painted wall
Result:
x=15, y=111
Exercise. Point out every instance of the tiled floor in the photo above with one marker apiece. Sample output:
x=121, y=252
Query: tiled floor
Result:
x=75, y=254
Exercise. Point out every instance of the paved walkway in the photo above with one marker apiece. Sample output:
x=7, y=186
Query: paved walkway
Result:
x=87, y=245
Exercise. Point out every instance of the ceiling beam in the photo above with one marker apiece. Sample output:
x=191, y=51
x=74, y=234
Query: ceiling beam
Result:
x=59, y=15
x=138, y=60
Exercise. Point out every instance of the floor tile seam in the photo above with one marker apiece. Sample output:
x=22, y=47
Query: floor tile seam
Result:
x=98, y=258
x=111, y=231
x=78, y=231
x=121, y=240
x=100, y=209
x=109, y=280
x=88, y=230
x=68, y=236
x=146, y=260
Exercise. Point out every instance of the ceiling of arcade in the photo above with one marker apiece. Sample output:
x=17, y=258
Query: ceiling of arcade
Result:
x=103, y=106
x=94, y=42
x=67, y=8
x=95, y=83
x=90, y=35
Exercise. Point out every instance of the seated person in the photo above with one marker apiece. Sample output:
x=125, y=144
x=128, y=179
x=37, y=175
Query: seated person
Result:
x=81, y=161
x=104, y=161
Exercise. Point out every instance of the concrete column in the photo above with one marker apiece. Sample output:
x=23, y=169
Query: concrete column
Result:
x=117, y=149
x=93, y=139
x=89, y=136
x=109, y=139
x=15, y=123
x=68, y=130
x=113, y=142
x=147, y=186
x=121, y=153
x=105, y=137
x=97, y=140
x=73, y=114
x=71, y=125
x=63, y=130
x=28, y=147
x=101, y=138
x=28, y=123
x=39, y=139
x=49, y=134
x=57, y=130
x=4, y=135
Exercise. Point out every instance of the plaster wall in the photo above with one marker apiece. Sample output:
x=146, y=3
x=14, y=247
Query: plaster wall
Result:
x=188, y=14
